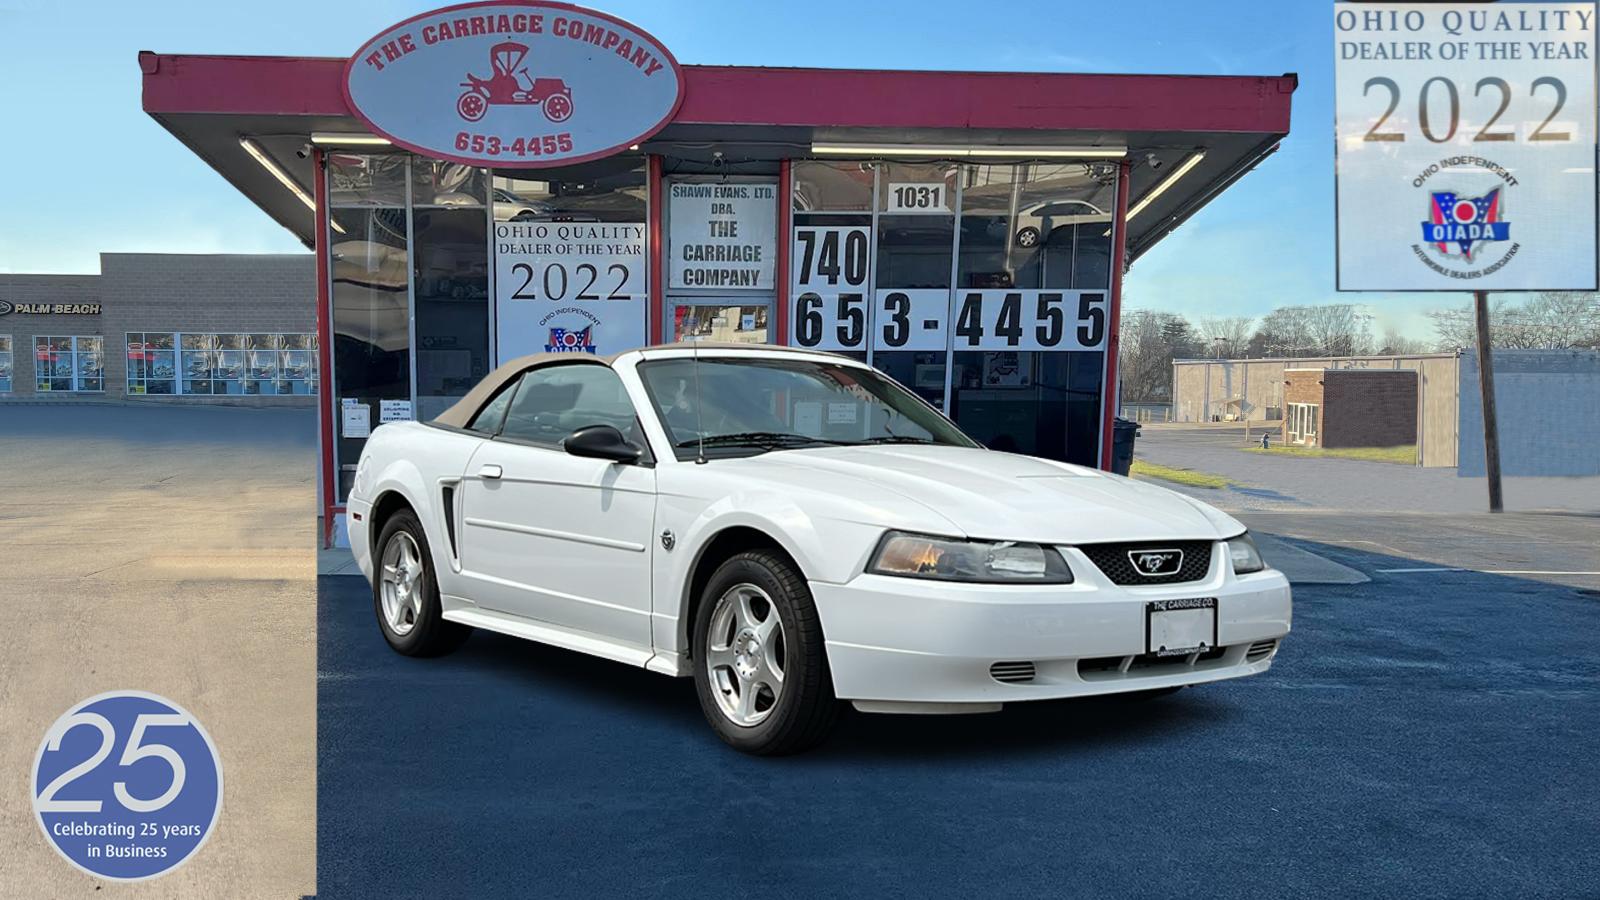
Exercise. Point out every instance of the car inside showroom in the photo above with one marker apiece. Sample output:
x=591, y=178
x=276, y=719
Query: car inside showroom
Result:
x=965, y=232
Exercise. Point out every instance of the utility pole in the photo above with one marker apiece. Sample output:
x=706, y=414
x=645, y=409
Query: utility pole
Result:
x=1491, y=428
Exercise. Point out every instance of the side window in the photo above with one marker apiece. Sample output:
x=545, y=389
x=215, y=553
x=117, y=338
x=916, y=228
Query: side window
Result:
x=493, y=413
x=554, y=401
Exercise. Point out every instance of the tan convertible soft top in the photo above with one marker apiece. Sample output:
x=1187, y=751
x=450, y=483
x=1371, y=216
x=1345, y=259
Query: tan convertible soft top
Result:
x=461, y=413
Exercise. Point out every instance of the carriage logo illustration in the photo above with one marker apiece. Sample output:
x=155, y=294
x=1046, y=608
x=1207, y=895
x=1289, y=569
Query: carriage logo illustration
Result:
x=510, y=84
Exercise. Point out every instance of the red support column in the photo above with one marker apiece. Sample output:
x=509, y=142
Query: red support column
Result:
x=1119, y=256
x=658, y=255
x=325, y=387
x=780, y=309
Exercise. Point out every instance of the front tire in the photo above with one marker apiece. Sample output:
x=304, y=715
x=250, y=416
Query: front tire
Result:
x=405, y=593
x=760, y=669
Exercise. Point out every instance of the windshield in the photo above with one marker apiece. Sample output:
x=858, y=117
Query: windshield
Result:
x=747, y=405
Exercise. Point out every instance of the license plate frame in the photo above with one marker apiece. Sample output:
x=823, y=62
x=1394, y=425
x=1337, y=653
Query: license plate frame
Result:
x=1186, y=625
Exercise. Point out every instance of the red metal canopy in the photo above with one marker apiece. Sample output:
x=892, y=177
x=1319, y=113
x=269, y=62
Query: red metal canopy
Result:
x=209, y=102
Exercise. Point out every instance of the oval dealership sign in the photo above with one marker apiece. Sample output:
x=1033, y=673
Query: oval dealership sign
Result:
x=514, y=84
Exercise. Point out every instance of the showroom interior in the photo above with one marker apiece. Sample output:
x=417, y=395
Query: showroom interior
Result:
x=920, y=221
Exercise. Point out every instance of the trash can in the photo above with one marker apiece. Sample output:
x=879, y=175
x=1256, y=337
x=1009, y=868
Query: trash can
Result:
x=1124, y=431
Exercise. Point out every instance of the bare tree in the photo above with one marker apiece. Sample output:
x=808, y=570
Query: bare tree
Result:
x=1335, y=329
x=1149, y=342
x=1227, y=335
x=1396, y=344
x=1552, y=320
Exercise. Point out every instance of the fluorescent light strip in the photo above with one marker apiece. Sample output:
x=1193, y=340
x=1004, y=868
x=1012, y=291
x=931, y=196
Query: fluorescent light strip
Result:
x=341, y=139
x=968, y=152
x=1169, y=181
x=260, y=156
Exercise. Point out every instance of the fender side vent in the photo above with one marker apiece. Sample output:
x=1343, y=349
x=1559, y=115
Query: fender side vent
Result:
x=1260, y=650
x=448, y=496
x=1020, y=672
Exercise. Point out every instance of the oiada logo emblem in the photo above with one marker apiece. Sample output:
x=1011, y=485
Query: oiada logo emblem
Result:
x=565, y=341
x=523, y=83
x=1456, y=224
x=1465, y=232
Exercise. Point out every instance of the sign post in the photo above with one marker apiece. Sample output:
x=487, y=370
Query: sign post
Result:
x=1465, y=155
x=1491, y=427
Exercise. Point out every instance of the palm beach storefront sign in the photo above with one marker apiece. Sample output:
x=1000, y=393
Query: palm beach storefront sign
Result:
x=49, y=309
x=514, y=84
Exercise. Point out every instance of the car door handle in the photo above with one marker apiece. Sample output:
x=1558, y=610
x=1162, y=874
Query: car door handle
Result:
x=490, y=471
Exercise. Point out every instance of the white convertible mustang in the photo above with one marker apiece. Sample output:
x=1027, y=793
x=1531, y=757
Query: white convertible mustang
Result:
x=793, y=529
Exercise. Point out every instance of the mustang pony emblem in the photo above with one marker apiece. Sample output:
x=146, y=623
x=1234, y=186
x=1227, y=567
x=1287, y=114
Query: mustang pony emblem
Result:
x=1154, y=563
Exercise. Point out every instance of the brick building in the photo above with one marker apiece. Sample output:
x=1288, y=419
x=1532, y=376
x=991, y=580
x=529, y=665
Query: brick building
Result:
x=1350, y=407
x=182, y=328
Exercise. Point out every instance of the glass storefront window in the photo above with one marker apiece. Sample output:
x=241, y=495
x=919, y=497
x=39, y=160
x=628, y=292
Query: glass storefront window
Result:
x=988, y=291
x=68, y=364
x=716, y=321
x=1032, y=227
x=831, y=186
x=916, y=231
x=369, y=270
x=451, y=291
x=297, y=364
x=438, y=183
x=609, y=190
x=360, y=179
x=227, y=364
x=5, y=363
x=152, y=363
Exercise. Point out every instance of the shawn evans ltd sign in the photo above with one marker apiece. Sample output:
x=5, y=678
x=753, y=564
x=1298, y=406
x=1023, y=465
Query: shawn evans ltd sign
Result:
x=514, y=84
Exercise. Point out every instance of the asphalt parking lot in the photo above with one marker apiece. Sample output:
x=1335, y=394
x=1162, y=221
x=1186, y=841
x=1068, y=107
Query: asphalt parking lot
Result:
x=1430, y=731
x=165, y=549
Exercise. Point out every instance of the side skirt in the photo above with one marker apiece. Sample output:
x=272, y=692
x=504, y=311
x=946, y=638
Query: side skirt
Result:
x=466, y=613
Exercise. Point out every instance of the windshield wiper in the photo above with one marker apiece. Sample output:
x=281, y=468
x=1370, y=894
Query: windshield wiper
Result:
x=899, y=439
x=767, y=439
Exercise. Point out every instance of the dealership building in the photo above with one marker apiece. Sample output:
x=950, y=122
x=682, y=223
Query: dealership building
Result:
x=163, y=328
x=497, y=179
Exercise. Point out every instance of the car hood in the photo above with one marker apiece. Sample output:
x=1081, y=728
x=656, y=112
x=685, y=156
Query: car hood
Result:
x=1004, y=496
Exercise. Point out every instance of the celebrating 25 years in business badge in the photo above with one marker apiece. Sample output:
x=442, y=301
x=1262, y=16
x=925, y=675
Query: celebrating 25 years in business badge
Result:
x=127, y=785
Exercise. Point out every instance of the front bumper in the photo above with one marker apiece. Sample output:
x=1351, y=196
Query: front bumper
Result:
x=895, y=643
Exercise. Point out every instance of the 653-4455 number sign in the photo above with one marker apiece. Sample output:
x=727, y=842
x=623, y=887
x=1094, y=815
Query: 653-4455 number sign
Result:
x=834, y=309
x=916, y=319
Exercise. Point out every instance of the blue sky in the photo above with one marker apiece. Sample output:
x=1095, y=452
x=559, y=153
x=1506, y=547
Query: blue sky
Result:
x=87, y=170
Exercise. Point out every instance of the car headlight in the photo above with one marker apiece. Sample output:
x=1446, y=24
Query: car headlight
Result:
x=985, y=562
x=1246, y=558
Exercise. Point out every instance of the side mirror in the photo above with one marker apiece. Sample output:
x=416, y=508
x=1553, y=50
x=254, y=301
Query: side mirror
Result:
x=601, y=442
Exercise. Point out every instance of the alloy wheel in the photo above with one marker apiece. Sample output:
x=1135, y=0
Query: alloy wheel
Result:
x=745, y=655
x=401, y=579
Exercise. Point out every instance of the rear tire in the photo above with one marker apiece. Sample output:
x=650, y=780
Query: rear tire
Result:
x=757, y=629
x=405, y=593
